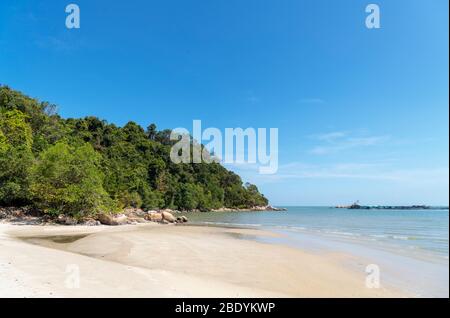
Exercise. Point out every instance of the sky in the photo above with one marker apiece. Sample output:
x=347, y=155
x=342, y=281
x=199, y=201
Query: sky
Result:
x=362, y=113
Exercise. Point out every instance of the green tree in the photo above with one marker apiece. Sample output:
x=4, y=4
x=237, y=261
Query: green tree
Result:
x=68, y=179
x=128, y=165
x=16, y=157
x=151, y=131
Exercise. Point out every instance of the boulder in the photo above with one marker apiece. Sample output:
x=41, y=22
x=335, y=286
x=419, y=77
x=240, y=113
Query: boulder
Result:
x=3, y=214
x=121, y=219
x=90, y=222
x=66, y=220
x=182, y=219
x=154, y=217
x=70, y=221
x=106, y=219
x=167, y=216
x=271, y=208
x=134, y=212
x=134, y=220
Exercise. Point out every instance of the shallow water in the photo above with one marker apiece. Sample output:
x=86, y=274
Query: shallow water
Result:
x=411, y=247
x=421, y=233
x=59, y=239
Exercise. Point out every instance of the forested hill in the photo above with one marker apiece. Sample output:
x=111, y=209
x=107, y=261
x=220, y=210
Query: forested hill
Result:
x=86, y=166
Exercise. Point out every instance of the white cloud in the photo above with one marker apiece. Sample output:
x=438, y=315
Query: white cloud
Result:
x=337, y=141
x=381, y=171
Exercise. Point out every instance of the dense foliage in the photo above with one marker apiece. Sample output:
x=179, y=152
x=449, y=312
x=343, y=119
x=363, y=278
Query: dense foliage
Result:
x=86, y=166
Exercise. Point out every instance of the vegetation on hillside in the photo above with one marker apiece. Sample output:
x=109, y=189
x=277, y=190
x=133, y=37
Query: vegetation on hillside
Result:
x=86, y=166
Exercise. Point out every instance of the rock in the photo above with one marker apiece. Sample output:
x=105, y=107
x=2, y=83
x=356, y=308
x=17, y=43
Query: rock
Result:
x=271, y=208
x=106, y=219
x=3, y=214
x=134, y=212
x=135, y=220
x=121, y=219
x=71, y=221
x=154, y=217
x=266, y=208
x=61, y=219
x=18, y=213
x=90, y=222
x=141, y=213
x=167, y=216
x=182, y=219
x=66, y=220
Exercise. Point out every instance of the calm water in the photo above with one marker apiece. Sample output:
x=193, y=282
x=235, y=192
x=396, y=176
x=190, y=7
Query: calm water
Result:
x=422, y=233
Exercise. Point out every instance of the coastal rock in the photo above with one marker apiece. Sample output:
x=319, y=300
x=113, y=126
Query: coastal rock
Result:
x=224, y=210
x=136, y=220
x=167, y=211
x=271, y=208
x=90, y=222
x=154, y=217
x=3, y=214
x=71, y=221
x=134, y=212
x=121, y=219
x=66, y=220
x=107, y=219
x=12, y=212
x=182, y=219
x=167, y=216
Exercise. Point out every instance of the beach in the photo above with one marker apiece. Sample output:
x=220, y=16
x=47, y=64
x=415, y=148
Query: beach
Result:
x=154, y=260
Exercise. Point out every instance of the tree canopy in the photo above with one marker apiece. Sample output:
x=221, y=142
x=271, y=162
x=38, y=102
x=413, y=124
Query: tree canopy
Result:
x=87, y=165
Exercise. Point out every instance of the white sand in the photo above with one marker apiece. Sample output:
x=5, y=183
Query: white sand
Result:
x=168, y=261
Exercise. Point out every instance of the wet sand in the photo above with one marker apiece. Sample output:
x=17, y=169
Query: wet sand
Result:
x=169, y=261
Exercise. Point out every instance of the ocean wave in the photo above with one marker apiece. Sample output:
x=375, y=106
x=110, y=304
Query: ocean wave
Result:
x=232, y=224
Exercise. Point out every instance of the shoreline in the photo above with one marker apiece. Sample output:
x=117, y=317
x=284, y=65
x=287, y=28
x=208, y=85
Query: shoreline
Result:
x=27, y=215
x=171, y=261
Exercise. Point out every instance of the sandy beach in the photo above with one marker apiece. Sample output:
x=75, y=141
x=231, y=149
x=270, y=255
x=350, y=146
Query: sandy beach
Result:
x=168, y=261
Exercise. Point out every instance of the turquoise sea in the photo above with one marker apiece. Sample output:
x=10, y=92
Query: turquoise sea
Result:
x=411, y=246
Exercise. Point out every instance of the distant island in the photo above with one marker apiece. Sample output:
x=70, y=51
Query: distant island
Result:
x=85, y=167
x=357, y=206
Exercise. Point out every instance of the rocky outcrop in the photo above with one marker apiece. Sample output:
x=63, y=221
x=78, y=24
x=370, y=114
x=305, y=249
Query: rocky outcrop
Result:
x=167, y=216
x=90, y=222
x=253, y=209
x=66, y=220
x=154, y=217
x=136, y=220
x=107, y=219
x=271, y=208
x=130, y=216
x=134, y=212
x=23, y=215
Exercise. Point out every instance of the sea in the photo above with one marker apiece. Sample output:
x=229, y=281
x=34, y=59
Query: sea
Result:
x=410, y=247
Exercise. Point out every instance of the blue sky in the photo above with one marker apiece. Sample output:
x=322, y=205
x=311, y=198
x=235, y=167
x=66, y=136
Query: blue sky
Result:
x=362, y=114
